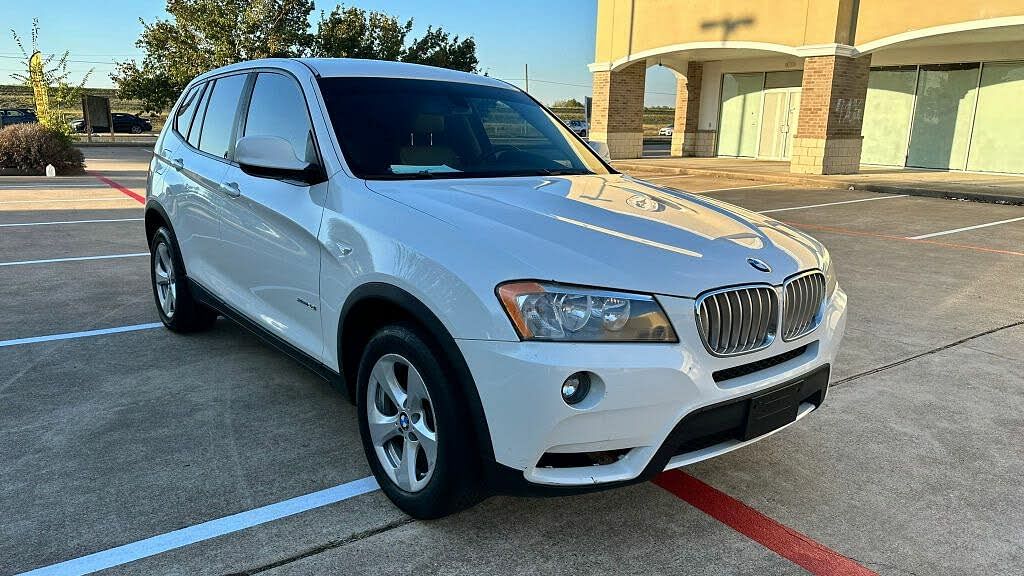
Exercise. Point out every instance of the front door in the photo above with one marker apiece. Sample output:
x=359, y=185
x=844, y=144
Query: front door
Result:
x=269, y=245
x=778, y=123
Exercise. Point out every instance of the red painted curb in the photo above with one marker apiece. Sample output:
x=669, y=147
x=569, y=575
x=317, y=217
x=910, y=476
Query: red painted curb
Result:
x=119, y=187
x=782, y=540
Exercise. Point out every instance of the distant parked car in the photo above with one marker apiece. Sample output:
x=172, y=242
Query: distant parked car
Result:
x=666, y=131
x=9, y=116
x=580, y=127
x=123, y=123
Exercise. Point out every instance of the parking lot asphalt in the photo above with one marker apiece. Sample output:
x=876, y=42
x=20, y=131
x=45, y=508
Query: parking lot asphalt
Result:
x=912, y=465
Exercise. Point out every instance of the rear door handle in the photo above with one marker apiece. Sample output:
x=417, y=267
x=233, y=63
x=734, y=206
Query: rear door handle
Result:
x=176, y=163
x=231, y=189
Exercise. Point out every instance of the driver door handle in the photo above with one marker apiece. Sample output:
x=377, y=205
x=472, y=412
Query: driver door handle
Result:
x=176, y=163
x=231, y=189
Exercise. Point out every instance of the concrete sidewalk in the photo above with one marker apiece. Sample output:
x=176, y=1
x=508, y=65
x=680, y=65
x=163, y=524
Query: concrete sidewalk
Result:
x=996, y=188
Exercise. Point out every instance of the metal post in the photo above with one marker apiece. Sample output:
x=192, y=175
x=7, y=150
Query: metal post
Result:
x=88, y=121
x=526, y=72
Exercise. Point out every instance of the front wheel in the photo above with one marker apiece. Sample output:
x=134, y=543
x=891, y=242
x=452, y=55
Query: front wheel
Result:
x=414, y=427
x=178, y=310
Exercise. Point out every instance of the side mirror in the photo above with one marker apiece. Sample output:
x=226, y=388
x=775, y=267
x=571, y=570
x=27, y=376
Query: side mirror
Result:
x=274, y=157
x=601, y=149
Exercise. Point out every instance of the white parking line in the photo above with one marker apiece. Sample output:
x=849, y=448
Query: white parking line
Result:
x=54, y=186
x=64, y=200
x=737, y=188
x=15, y=225
x=665, y=177
x=207, y=530
x=964, y=229
x=834, y=203
x=83, y=334
x=74, y=259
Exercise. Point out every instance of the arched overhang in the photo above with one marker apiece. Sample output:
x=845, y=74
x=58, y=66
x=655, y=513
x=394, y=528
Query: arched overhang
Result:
x=1008, y=28
x=720, y=50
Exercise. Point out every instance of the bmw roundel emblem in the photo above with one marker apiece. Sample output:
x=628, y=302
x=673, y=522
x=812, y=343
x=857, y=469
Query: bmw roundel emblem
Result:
x=759, y=265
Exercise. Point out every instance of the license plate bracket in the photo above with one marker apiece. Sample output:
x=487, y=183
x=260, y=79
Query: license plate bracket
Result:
x=772, y=410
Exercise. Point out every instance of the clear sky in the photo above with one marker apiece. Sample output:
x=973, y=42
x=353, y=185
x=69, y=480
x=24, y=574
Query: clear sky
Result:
x=555, y=37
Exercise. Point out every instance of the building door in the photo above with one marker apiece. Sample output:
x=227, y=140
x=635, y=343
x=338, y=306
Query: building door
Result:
x=778, y=123
x=740, y=114
x=943, y=116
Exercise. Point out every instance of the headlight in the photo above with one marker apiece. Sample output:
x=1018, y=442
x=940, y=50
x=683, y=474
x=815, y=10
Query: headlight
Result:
x=541, y=311
x=830, y=274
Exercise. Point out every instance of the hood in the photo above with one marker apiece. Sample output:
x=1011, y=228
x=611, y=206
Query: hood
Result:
x=611, y=231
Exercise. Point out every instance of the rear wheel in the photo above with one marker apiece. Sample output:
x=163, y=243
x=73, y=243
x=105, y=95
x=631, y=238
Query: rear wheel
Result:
x=414, y=427
x=178, y=310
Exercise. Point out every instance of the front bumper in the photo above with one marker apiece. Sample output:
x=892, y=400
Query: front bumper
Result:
x=649, y=395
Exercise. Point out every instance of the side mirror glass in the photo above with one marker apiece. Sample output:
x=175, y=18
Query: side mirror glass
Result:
x=601, y=149
x=273, y=157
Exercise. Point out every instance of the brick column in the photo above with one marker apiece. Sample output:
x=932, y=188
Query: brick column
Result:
x=686, y=140
x=828, y=138
x=617, y=116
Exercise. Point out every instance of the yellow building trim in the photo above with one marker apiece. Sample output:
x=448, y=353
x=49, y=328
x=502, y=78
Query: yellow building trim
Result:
x=971, y=25
x=733, y=45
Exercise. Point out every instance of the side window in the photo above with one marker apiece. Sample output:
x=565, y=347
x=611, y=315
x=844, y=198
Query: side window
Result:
x=185, y=112
x=195, y=128
x=278, y=108
x=219, y=121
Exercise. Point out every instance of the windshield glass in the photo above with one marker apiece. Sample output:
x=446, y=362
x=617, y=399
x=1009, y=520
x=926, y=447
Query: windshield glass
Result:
x=399, y=128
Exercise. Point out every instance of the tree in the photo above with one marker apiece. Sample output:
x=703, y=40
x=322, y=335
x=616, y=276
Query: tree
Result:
x=62, y=95
x=437, y=48
x=570, y=103
x=204, y=34
x=356, y=33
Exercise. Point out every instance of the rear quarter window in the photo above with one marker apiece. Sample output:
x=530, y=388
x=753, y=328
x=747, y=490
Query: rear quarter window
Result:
x=187, y=110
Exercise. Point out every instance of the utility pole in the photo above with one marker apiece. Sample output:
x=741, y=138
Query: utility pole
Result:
x=526, y=72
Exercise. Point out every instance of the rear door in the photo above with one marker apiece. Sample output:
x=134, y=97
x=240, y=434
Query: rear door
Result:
x=270, y=252
x=197, y=160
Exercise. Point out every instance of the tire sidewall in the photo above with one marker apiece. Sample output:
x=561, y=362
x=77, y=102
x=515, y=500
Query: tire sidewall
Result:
x=453, y=483
x=189, y=315
x=164, y=236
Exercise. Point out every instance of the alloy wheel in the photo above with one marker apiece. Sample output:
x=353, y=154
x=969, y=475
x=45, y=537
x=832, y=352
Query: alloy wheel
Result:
x=166, y=283
x=402, y=427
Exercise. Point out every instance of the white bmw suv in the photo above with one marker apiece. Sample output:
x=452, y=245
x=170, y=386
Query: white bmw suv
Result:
x=508, y=312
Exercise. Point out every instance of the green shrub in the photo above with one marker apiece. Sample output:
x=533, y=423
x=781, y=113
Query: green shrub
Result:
x=26, y=149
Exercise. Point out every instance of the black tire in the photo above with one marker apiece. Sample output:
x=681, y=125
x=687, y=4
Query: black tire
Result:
x=454, y=483
x=136, y=129
x=186, y=314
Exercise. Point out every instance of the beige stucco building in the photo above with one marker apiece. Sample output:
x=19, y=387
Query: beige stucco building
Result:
x=826, y=84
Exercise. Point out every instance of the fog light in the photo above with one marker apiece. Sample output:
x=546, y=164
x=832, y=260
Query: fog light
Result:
x=575, y=388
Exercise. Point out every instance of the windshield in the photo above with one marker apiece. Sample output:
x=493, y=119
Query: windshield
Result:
x=400, y=128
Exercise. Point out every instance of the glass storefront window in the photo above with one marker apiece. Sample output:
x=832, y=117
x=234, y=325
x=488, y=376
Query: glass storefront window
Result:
x=887, y=114
x=943, y=116
x=996, y=142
